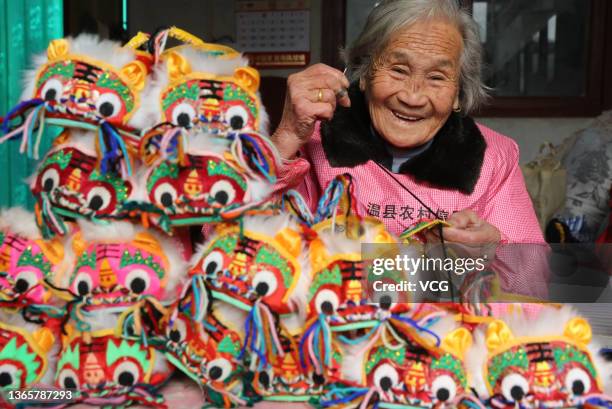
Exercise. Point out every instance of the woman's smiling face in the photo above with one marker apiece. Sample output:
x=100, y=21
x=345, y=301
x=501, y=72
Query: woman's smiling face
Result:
x=415, y=83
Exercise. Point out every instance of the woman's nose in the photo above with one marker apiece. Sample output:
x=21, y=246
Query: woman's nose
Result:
x=413, y=93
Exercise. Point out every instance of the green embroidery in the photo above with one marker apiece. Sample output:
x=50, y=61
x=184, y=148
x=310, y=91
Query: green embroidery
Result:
x=127, y=349
x=70, y=356
x=182, y=91
x=85, y=260
x=337, y=356
x=325, y=276
x=23, y=355
x=109, y=81
x=233, y=92
x=222, y=168
x=127, y=260
x=61, y=158
x=117, y=183
x=398, y=356
x=165, y=169
x=228, y=346
x=226, y=243
x=500, y=363
x=272, y=257
x=63, y=68
x=27, y=259
x=451, y=364
x=569, y=354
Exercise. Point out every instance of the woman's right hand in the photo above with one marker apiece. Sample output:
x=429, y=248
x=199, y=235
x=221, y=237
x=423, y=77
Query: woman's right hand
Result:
x=312, y=95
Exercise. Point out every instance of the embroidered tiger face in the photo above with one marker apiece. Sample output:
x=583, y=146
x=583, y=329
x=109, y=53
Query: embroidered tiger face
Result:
x=216, y=104
x=23, y=356
x=419, y=376
x=25, y=264
x=69, y=181
x=208, y=353
x=535, y=372
x=81, y=87
x=204, y=187
x=251, y=267
x=104, y=365
x=119, y=272
x=286, y=376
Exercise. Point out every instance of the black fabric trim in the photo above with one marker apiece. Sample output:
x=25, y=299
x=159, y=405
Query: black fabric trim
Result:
x=452, y=162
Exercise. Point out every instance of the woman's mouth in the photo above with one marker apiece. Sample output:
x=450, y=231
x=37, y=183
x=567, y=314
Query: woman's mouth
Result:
x=407, y=118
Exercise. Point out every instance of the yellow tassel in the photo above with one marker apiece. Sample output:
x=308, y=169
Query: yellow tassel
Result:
x=139, y=39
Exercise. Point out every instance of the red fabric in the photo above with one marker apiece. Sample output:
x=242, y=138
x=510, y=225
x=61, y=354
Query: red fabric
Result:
x=499, y=197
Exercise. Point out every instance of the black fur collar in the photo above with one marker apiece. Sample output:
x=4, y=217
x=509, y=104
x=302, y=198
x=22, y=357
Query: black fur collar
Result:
x=453, y=161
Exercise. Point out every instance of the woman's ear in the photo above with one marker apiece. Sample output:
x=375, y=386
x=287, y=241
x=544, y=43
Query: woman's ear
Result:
x=362, y=84
x=456, y=106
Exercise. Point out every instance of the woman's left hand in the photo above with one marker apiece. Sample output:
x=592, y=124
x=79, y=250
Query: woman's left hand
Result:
x=467, y=228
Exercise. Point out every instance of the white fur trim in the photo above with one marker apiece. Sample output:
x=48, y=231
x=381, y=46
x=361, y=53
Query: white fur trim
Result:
x=19, y=221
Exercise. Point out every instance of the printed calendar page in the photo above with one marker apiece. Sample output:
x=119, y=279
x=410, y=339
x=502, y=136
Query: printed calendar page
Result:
x=274, y=34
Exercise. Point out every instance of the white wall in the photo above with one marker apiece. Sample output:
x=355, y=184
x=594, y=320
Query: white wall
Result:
x=530, y=133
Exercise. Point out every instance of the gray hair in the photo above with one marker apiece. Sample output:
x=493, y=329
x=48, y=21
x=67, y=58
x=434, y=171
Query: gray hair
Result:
x=389, y=16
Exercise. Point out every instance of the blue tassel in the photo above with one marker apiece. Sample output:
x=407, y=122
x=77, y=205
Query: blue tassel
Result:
x=22, y=106
x=419, y=328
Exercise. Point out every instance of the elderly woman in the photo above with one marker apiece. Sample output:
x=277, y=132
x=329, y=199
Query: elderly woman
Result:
x=403, y=131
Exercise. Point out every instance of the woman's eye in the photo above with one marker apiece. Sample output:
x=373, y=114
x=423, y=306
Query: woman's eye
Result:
x=400, y=70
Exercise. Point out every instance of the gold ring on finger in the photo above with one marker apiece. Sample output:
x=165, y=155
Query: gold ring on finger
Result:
x=320, y=95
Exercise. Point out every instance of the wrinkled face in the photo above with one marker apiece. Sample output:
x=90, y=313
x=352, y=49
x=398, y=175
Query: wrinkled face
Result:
x=106, y=365
x=23, y=266
x=412, y=376
x=86, y=91
x=20, y=365
x=71, y=181
x=218, y=107
x=118, y=273
x=210, y=356
x=203, y=188
x=249, y=270
x=415, y=83
x=541, y=375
